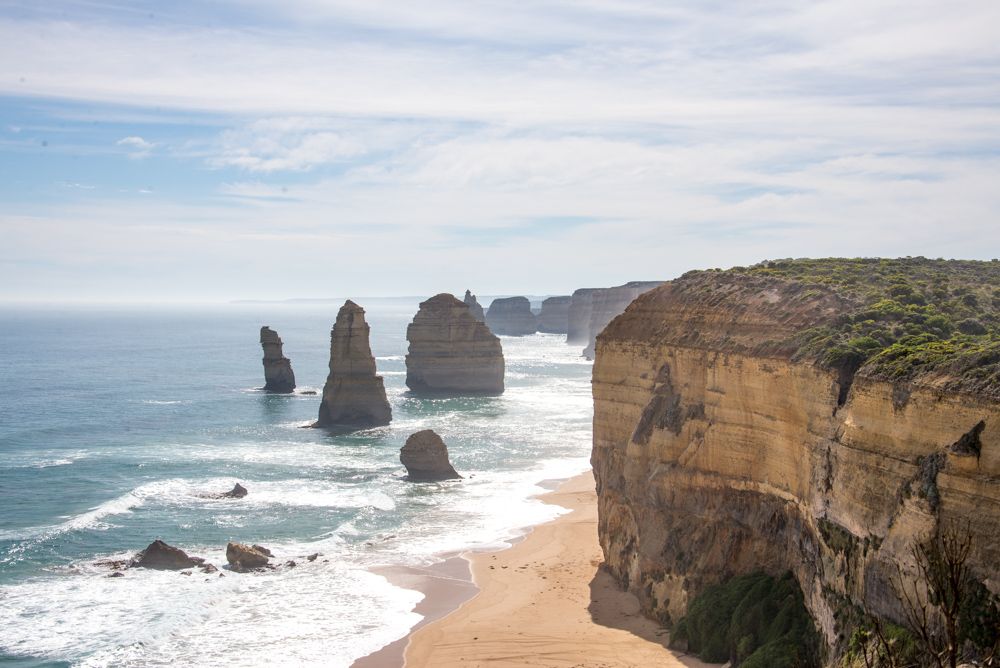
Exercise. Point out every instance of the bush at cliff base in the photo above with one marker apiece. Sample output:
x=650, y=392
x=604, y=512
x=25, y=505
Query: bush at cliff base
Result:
x=755, y=621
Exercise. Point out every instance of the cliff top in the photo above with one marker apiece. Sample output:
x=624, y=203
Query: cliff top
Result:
x=906, y=319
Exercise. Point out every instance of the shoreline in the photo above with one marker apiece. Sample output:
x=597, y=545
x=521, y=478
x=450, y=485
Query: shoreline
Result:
x=544, y=601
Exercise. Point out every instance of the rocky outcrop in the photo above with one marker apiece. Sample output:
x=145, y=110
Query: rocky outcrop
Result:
x=160, y=556
x=452, y=353
x=607, y=303
x=475, y=308
x=719, y=450
x=554, y=316
x=353, y=397
x=237, y=492
x=425, y=457
x=511, y=317
x=278, y=376
x=244, y=558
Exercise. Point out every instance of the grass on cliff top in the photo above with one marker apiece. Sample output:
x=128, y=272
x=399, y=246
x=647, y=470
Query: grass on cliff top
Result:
x=913, y=317
x=755, y=621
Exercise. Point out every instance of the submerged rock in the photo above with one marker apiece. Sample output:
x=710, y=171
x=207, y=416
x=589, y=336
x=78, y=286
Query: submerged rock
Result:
x=554, y=317
x=452, y=353
x=353, y=396
x=278, y=376
x=425, y=457
x=237, y=492
x=160, y=556
x=474, y=306
x=511, y=317
x=243, y=558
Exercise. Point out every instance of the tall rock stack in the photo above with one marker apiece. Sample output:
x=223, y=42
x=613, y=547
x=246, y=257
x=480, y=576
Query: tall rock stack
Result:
x=475, y=308
x=452, y=353
x=554, y=318
x=578, y=320
x=511, y=317
x=353, y=396
x=278, y=376
x=609, y=303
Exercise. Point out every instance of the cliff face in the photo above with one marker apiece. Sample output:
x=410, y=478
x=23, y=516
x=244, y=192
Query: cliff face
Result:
x=554, y=317
x=353, y=396
x=511, y=317
x=278, y=376
x=718, y=452
x=451, y=352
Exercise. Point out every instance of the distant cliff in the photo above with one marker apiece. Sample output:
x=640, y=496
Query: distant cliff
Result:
x=817, y=417
x=591, y=309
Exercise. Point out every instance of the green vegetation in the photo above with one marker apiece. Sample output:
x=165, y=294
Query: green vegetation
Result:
x=911, y=318
x=755, y=621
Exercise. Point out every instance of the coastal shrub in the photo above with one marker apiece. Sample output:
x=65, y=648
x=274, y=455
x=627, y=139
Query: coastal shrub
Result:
x=904, y=318
x=752, y=620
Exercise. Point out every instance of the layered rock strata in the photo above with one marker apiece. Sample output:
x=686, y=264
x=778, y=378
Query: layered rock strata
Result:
x=554, y=316
x=718, y=452
x=607, y=303
x=511, y=316
x=425, y=457
x=475, y=308
x=278, y=376
x=452, y=353
x=353, y=396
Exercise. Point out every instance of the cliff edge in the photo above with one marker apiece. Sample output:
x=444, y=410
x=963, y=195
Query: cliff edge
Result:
x=813, y=416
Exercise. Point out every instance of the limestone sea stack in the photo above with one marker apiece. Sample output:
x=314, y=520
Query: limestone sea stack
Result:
x=475, y=308
x=452, y=353
x=353, y=397
x=278, y=376
x=511, y=317
x=425, y=457
x=554, y=317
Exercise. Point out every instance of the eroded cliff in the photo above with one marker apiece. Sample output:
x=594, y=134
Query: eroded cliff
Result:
x=734, y=431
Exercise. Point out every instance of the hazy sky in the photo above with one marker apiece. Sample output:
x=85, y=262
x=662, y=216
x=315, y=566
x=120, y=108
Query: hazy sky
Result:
x=310, y=148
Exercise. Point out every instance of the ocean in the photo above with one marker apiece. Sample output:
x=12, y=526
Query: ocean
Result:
x=116, y=422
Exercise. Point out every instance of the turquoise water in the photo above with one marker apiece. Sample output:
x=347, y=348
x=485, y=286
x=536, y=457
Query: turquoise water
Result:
x=114, y=423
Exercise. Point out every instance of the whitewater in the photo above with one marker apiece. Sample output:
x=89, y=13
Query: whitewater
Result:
x=116, y=423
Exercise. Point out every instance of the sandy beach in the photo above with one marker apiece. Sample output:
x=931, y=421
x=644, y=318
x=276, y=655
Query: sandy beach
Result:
x=544, y=602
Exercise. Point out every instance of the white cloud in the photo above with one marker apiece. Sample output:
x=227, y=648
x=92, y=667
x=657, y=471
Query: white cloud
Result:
x=285, y=144
x=138, y=147
x=595, y=141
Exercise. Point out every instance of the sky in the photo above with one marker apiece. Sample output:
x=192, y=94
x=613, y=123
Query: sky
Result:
x=251, y=149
